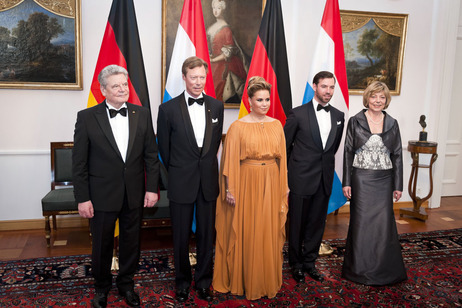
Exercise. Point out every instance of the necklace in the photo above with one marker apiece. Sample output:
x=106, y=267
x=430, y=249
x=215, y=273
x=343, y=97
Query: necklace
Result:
x=369, y=118
x=257, y=121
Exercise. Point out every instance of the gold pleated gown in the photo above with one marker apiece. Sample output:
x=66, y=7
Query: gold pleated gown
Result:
x=251, y=234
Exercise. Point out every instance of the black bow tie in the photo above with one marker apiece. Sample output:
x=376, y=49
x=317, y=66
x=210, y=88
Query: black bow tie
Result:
x=122, y=111
x=325, y=108
x=191, y=101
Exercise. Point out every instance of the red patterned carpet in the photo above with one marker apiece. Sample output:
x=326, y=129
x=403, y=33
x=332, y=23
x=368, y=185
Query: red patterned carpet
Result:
x=433, y=261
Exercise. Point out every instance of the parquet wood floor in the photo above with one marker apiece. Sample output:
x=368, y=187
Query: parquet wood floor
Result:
x=15, y=245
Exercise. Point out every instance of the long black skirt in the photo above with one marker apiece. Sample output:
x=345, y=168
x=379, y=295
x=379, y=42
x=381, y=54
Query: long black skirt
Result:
x=373, y=253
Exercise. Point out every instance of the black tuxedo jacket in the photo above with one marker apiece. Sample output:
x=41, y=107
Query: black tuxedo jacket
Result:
x=187, y=166
x=358, y=133
x=308, y=162
x=99, y=172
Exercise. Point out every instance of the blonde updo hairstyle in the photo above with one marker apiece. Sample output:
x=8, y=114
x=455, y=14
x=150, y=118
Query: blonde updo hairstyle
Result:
x=376, y=87
x=257, y=83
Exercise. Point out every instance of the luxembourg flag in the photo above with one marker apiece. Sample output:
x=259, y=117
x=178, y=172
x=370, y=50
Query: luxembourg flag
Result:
x=329, y=56
x=191, y=40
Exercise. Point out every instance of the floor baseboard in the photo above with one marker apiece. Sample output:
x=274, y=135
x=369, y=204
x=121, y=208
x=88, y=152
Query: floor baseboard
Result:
x=70, y=221
x=31, y=224
x=396, y=206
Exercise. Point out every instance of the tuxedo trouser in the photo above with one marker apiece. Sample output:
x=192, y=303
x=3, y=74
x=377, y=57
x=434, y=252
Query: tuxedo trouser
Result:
x=102, y=229
x=307, y=219
x=182, y=217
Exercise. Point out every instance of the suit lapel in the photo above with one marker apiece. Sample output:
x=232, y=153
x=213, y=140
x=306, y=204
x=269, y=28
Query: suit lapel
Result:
x=208, y=127
x=333, y=130
x=132, y=126
x=103, y=121
x=314, y=126
x=362, y=121
x=387, y=123
x=188, y=124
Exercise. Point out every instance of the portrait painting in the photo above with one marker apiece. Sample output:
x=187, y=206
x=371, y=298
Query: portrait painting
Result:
x=374, y=49
x=40, y=44
x=231, y=27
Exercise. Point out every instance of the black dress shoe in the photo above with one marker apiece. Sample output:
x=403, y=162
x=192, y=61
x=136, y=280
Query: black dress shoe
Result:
x=204, y=294
x=131, y=298
x=298, y=275
x=182, y=295
x=314, y=274
x=100, y=300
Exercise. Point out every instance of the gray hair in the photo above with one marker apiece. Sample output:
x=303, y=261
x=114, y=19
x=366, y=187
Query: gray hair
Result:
x=110, y=70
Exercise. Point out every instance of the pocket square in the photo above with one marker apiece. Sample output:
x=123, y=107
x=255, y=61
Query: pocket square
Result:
x=215, y=120
x=339, y=122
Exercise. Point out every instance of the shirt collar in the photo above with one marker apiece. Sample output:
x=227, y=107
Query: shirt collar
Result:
x=187, y=96
x=316, y=103
x=109, y=106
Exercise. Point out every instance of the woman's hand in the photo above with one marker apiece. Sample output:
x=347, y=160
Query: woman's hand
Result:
x=347, y=192
x=230, y=198
x=397, y=195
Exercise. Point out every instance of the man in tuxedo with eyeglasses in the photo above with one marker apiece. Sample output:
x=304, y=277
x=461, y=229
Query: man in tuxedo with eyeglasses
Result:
x=115, y=173
x=189, y=131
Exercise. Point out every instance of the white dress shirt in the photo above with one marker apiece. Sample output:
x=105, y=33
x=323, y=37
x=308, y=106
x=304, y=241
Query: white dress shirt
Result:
x=197, y=115
x=324, y=122
x=119, y=126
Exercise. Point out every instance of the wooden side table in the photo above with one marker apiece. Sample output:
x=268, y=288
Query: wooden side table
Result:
x=416, y=148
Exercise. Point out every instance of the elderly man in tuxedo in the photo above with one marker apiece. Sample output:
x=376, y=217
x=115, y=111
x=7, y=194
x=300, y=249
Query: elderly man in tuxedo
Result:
x=189, y=129
x=116, y=172
x=313, y=133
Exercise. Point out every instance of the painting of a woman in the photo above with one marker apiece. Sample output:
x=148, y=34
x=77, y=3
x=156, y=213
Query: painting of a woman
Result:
x=227, y=60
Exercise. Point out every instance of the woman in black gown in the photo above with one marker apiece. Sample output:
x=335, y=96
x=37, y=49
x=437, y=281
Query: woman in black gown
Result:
x=372, y=177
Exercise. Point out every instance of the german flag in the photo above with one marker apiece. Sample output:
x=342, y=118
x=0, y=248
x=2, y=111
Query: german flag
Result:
x=121, y=46
x=269, y=60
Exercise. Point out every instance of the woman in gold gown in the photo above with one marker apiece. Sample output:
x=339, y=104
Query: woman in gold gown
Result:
x=252, y=206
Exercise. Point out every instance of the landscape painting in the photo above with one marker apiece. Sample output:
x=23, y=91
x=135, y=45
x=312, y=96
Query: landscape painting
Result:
x=374, y=49
x=40, y=44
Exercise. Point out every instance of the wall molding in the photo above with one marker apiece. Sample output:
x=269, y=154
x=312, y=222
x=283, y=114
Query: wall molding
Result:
x=24, y=152
x=452, y=142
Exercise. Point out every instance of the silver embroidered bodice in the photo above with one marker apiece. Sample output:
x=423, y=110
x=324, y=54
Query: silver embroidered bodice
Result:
x=373, y=155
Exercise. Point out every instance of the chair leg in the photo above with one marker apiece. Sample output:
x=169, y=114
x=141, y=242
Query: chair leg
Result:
x=47, y=230
x=55, y=227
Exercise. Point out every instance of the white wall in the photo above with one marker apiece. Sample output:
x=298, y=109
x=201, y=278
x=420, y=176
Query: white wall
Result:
x=30, y=119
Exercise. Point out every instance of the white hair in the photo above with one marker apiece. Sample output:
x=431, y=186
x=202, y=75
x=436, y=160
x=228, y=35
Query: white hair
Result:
x=220, y=3
x=110, y=70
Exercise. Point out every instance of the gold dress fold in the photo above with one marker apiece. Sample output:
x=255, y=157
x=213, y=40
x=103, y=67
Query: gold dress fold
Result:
x=251, y=234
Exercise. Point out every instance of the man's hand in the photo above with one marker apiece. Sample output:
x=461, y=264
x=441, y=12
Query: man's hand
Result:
x=86, y=209
x=150, y=199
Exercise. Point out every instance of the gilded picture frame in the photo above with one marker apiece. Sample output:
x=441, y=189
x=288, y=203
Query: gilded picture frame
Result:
x=243, y=18
x=50, y=57
x=374, y=49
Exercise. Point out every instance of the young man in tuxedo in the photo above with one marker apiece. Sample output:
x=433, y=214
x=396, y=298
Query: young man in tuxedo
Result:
x=189, y=129
x=313, y=133
x=116, y=171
